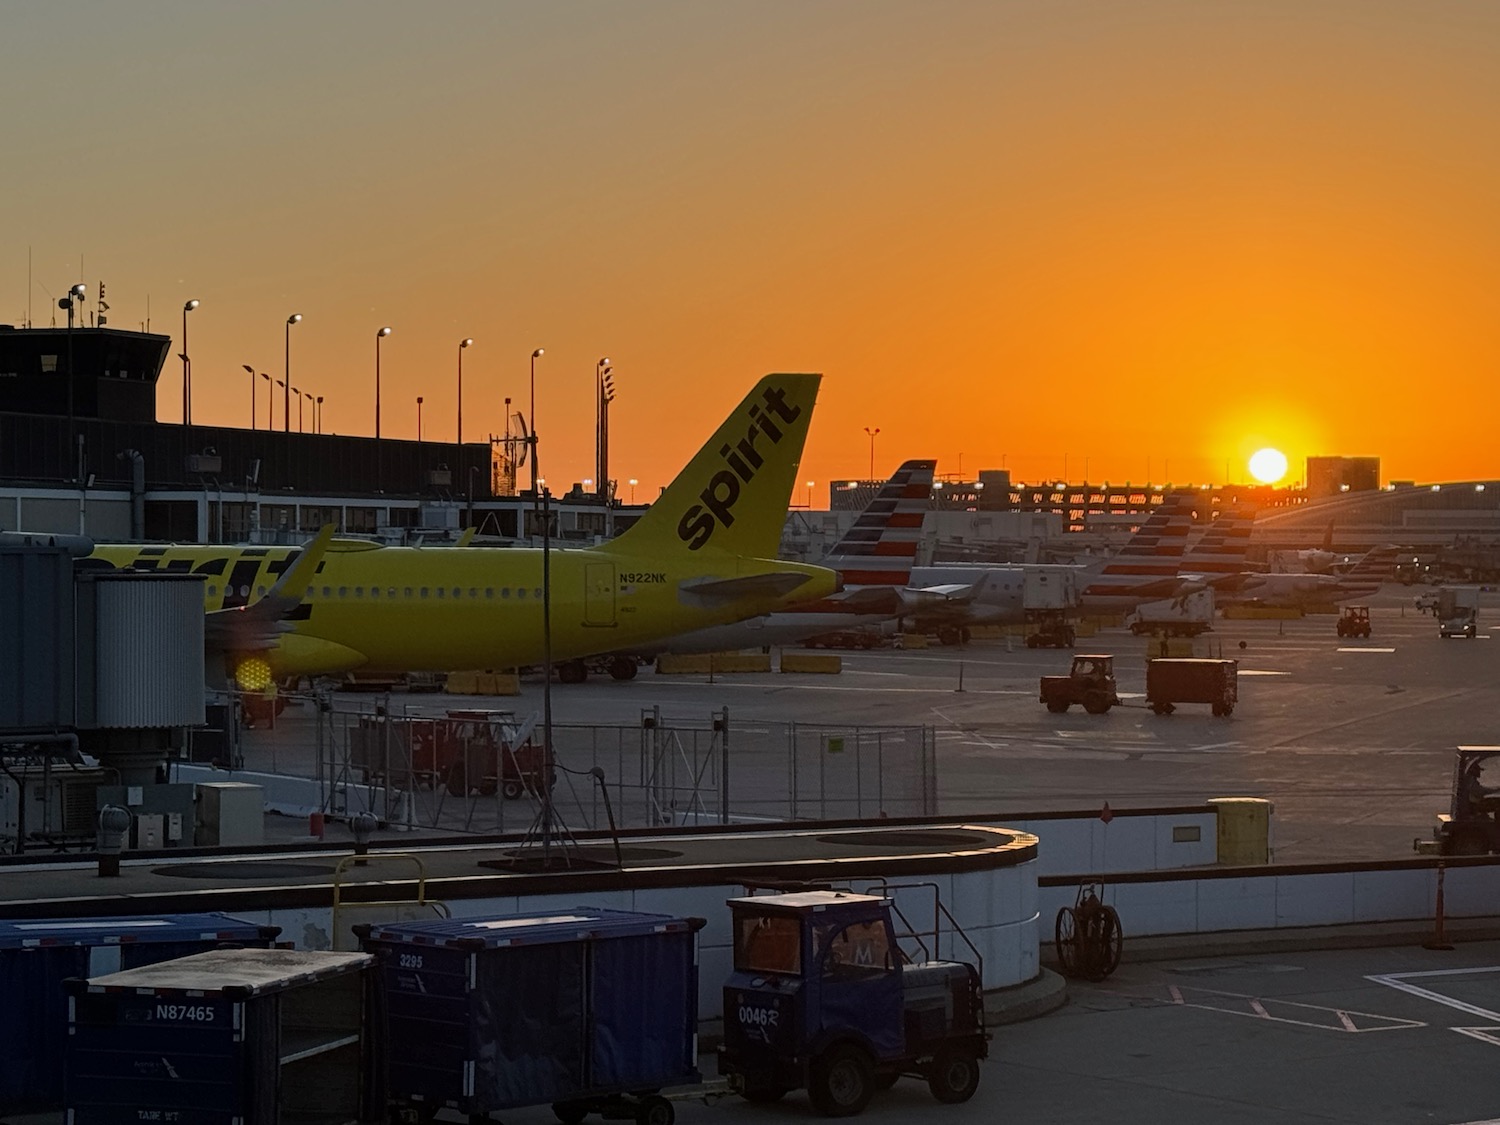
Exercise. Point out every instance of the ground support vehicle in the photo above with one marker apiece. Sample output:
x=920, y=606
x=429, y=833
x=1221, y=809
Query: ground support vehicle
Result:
x=589, y=1010
x=1050, y=629
x=1354, y=621
x=1186, y=616
x=1090, y=682
x=464, y=751
x=1457, y=611
x=845, y=638
x=620, y=666
x=1088, y=936
x=1472, y=824
x=823, y=998
x=1189, y=680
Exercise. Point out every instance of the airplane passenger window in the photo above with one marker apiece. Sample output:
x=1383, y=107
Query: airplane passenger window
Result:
x=359, y=591
x=391, y=593
x=521, y=593
x=489, y=591
x=327, y=591
x=537, y=592
x=441, y=591
x=408, y=591
x=374, y=591
x=343, y=590
x=505, y=591
x=456, y=591
x=424, y=591
x=260, y=591
x=213, y=591
x=473, y=593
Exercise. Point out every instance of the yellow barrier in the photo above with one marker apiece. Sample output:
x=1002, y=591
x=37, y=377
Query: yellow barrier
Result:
x=826, y=662
x=706, y=663
x=1104, y=620
x=1171, y=647
x=462, y=683
x=483, y=683
x=1323, y=609
x=1085, y=629
x=913, y=640
x=1261, y=613
x=1244, y=830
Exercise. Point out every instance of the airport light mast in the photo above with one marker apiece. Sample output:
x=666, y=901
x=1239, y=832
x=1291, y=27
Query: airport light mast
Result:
x=187, y=368
x=286, y=404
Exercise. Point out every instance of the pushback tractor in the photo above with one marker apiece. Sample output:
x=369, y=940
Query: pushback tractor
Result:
x=824, y=998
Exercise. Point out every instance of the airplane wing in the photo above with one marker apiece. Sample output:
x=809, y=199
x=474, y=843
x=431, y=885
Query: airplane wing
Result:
x=920, y=597
x=715, y=591
x=257, y=626
x=869, y=599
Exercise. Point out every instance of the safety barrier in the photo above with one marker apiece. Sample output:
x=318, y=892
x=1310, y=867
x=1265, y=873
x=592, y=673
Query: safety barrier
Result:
x=824, y=662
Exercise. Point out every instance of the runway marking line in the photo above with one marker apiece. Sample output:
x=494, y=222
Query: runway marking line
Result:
x=1364, y=650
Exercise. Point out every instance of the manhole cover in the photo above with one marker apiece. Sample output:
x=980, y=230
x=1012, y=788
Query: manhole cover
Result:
x=246, y=869
x=913, y=840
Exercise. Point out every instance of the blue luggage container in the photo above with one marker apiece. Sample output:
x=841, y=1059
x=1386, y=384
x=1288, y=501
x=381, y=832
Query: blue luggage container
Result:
x=590, y=1010
x=37, y=955
x=227, y=1037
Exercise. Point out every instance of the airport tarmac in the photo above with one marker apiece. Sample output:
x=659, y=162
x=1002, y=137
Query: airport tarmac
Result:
x=1374, y=1037
x=1351, y=739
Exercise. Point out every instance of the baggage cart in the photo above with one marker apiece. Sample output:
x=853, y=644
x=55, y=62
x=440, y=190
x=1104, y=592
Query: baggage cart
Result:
x=228, y=1037
x=38, y=954
x=589, y=1010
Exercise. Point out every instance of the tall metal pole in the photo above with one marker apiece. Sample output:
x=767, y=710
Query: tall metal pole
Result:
x=538, y=353
x=872, y=434
x=458, y=460
x=379, y=460
x=187, y=368
x=251, y=370
x=286, y=373
x=318, y=416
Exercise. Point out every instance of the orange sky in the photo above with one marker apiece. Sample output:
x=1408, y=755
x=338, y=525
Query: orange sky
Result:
x=1153, y=235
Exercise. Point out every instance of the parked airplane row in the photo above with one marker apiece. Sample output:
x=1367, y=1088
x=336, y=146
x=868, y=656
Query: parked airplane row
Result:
x=697, y=573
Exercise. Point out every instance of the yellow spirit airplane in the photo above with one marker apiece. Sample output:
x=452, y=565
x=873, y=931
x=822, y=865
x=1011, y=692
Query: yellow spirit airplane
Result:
x=703, y=554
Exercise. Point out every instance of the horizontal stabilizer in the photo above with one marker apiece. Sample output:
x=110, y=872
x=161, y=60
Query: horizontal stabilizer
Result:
x=717, y=591
x=259, y=625
x=917, y=597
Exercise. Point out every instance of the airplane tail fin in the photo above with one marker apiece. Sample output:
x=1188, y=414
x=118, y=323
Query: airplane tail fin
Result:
x=1376, y=565
x=1224, y=547
x=881, y=546
x=1158, y=544
x=733, y=496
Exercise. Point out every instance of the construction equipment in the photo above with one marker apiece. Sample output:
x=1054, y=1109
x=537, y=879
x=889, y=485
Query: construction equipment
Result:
x=823, y=997
x=1354, y=621
x=1090, y=682
x=1471, y=826
x=1191, y=680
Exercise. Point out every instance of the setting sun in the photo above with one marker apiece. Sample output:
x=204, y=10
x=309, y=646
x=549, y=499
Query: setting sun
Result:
x=1268, y=465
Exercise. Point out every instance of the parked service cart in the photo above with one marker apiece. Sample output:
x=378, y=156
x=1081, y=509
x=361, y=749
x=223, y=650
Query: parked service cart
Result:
x=229, y=1037
x=37, y=955
x=823, y=997
x=1173, y=681
x=589, y=1010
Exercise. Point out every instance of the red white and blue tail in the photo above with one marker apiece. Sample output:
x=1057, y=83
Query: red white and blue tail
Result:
x=881, y=547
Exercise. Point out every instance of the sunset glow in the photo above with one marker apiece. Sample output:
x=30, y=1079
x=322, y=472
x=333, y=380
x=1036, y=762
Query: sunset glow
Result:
x=1025, y=235
x=1268, y=465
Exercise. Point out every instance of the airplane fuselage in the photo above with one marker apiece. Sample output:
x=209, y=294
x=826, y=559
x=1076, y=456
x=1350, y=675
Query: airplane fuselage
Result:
x=456, y=608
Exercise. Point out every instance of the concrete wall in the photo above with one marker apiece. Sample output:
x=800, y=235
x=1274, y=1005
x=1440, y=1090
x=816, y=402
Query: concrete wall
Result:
x=1272, y=899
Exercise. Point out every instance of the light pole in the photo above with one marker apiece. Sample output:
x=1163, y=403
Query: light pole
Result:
x=605, y=389
x=379, y=336
x=633, y=483
x=462, y=344
x=270, y=403
x=251, y=370
x=308, y=396
x=872, y=434
x=298, y=396
x=187, y=368
x=286, y=408
x=809, y=493
x=70, y=302
x=419, y=418
x=536, y=355
x=318, y=416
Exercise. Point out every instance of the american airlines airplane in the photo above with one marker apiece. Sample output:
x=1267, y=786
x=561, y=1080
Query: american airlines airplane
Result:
x=1220, y=560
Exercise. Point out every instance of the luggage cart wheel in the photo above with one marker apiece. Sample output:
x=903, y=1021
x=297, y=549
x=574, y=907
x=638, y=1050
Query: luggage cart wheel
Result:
x=655, y=1110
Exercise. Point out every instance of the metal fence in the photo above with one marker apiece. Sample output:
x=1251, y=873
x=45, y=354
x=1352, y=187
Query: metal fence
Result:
x=482, y=771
